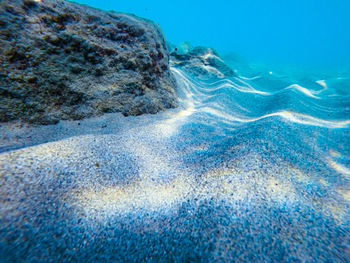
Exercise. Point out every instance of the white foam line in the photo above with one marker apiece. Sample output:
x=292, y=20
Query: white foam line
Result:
x=223, y=84
x=247, y=88
x=251, y=88
x=302, y=90
x=308, y=120
x=290, y=116
x=322, y=83
x=252, y=78
x=219, y=84
x=235, y=86
x=197, y=89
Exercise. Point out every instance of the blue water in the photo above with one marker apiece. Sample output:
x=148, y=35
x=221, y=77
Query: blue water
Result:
x=309, y=34
x=248, y=168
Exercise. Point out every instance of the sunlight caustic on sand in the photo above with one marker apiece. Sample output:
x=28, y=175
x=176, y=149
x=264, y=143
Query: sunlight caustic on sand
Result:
x=303, y=90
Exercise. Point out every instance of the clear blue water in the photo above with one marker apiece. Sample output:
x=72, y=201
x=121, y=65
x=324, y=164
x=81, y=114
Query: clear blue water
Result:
x=309, y=34
x=252, y=168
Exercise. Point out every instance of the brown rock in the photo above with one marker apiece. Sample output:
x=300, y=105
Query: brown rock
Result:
x=62, y=60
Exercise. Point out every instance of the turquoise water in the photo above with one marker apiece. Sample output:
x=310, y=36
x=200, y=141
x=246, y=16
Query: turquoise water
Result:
x=309, y=34
x=249, y=168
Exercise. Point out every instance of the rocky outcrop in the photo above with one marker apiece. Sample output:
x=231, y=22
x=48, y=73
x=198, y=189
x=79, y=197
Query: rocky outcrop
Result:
x=202, y=62
x=61, y=60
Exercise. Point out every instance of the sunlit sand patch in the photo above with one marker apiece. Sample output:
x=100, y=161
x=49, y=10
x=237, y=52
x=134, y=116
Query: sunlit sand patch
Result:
x=338, y=167
x=298, y=176
x=281, y=190
x=323, y=182
x=345, y=193
x=334, y=154
x=50, y=150
x=330, y=206
x=234, y=184
x=170, y=126
x=151, y=163
x=337, y=211
x=135, y=197
x=277, y=185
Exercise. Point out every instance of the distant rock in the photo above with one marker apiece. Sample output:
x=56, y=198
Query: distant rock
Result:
x=61, y=60
x=202, y=62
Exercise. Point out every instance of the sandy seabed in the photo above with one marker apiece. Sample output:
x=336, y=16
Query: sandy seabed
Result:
x=182, y=185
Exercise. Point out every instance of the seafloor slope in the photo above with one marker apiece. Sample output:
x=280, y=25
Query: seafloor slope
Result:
x=246, y=170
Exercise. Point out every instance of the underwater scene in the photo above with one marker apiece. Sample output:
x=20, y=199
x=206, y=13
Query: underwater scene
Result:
x=186, y=131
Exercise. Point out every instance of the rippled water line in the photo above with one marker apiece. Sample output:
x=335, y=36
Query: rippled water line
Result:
x=323, y=84
x=308, y=104
x=248, y=88
x=251, y=78
x=224, y=83
x=253, y=89
x=297, y=87
x=338, y=167
x=313, y=106
x=287, y=115
x=303, y=90
x=191, y=88
x=205, y=85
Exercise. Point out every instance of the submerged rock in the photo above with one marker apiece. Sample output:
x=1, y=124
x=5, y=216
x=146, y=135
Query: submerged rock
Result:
x=62, y=60
x=203, y=62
